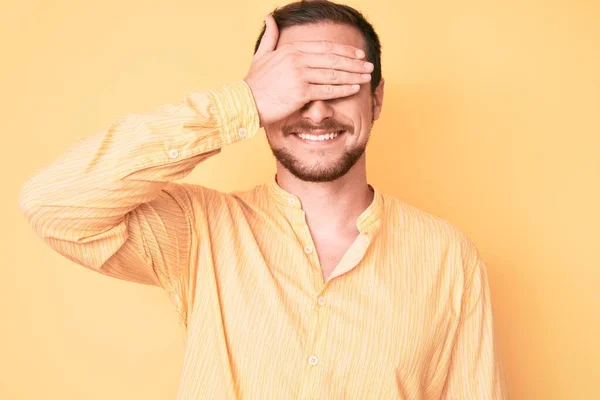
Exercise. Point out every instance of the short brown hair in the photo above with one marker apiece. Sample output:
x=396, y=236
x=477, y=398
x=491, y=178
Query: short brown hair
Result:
x=314, y=11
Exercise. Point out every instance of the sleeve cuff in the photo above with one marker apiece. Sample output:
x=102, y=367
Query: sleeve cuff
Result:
x=235, y=110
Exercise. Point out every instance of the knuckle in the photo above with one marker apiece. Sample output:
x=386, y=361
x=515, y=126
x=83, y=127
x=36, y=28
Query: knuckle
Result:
x=295, y=59
x=291, y=51
x=333, y=75
x=280, y=55
x=297, y=73
x=282, y=50
x=304, y=91
x=332, y=59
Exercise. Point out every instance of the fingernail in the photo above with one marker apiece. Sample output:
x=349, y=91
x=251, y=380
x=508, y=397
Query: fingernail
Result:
x=366, y=76
x=360, y=53
x=355, y=87
x=368, y=65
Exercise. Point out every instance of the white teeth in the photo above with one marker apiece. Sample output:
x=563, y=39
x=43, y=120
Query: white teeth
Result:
x=318, y=138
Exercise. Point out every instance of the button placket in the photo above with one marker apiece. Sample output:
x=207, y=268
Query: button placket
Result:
x=315, y=347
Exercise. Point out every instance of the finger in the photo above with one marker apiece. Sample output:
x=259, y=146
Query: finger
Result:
x=328, y=92
x=329, y=47
x=334, y=76
x=333, y=61
x=270, y=37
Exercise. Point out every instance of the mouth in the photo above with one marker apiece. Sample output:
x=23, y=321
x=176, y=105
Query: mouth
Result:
x=318, y=138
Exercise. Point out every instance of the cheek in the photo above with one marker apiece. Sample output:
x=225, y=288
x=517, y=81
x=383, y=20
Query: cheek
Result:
x=272, y=130
x=357, y=108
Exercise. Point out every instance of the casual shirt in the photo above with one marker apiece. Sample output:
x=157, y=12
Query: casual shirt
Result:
x=405, y=314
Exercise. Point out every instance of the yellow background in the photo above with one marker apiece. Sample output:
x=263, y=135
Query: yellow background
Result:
x=490, y=120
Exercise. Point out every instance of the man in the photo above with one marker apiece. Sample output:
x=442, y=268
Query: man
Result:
x=314, y=285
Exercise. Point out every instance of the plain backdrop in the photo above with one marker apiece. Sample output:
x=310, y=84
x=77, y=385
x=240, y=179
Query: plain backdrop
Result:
x=490, y=120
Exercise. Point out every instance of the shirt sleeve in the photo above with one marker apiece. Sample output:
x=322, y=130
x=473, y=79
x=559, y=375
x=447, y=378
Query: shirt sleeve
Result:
x=110, y=203
x=476, y=370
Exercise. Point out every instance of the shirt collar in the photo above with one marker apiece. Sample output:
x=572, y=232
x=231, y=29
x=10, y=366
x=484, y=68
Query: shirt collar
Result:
x=368, y=222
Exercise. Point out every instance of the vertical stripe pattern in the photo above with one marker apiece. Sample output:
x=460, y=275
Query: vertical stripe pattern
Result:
x=406, y=314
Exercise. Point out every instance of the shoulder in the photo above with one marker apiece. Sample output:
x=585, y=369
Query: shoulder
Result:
x=427, y=229
x=403, y=216
x=438, y=246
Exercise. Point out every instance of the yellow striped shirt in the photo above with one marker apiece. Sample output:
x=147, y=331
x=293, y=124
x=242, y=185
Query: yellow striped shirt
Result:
x=406, y=313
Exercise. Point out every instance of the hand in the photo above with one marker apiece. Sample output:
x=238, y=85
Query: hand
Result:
x=284, y=80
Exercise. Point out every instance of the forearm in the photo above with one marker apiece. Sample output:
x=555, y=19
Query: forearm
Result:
x=87, y=192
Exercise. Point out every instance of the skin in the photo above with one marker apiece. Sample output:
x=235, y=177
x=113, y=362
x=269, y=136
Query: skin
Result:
x=328, y=177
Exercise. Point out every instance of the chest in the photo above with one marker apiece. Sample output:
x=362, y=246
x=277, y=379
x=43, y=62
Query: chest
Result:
x=331, y=251
x=367, y=334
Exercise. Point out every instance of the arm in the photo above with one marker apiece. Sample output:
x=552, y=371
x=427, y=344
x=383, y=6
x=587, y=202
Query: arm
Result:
x=475, y=366
x=109, y=202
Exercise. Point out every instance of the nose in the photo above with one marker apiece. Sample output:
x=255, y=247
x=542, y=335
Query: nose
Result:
x=317, y=111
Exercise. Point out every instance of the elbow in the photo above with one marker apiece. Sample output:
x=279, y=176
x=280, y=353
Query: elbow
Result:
x=28, y=200
x=32, y=200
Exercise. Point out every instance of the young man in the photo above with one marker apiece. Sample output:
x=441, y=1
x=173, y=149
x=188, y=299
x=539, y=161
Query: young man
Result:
x=313, y=285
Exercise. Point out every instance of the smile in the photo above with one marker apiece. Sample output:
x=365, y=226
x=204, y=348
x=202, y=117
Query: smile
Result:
x=318, y=138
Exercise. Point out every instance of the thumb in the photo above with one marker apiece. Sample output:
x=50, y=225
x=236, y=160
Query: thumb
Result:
x=270, y=37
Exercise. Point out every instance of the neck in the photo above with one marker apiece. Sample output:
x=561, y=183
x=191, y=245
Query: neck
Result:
x=333, y=206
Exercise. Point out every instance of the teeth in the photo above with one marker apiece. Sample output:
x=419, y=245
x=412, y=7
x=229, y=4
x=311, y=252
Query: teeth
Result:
x=318, y=138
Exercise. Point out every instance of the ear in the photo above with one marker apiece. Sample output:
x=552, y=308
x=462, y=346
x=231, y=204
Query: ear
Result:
x=378, y=99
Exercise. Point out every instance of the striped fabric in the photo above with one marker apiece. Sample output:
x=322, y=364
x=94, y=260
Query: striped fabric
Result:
x=406, y=314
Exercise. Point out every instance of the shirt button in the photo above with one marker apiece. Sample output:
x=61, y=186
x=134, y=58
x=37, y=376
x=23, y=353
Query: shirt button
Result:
x=173, y=153
x=308, y=249
x=242, y=132
x=313, y=360
x=321, y=300
x=291, y=201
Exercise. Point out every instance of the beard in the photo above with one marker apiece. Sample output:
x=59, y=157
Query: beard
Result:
x=319, y=171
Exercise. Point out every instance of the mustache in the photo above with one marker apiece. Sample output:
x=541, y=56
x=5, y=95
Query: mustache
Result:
x=305, y=126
